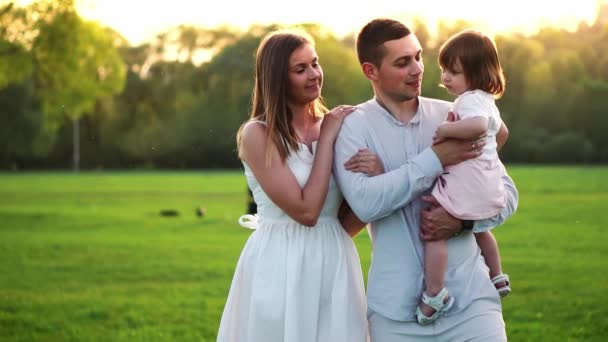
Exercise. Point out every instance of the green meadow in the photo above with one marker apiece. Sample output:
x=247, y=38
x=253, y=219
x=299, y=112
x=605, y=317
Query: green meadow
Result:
x=88, y=257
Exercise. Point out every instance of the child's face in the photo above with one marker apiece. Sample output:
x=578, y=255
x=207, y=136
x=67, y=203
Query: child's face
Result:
x=454, y=80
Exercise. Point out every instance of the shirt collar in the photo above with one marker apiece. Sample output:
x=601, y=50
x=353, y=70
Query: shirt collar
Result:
x=414, y=121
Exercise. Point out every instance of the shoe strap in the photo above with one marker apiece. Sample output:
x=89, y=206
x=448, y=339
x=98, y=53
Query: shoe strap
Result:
x=435, y=302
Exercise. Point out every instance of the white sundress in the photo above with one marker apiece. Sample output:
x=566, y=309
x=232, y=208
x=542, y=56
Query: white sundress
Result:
x=295, y=283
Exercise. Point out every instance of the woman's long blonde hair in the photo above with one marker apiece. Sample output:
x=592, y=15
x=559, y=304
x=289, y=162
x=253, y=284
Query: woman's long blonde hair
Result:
x=269, y=98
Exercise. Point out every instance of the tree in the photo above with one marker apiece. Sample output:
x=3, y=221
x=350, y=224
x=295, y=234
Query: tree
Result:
x=15, y=62
x=77, y=64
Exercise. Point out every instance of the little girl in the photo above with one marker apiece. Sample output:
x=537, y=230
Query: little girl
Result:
x=471, y=190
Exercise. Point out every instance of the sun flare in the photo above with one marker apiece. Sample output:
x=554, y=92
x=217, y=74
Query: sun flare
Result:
x=140, y=21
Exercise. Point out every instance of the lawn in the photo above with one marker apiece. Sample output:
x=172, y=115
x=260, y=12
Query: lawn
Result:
x=87, y=257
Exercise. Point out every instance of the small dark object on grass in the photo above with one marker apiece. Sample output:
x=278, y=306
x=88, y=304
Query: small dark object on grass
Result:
x=169, y=212
x=200, y=212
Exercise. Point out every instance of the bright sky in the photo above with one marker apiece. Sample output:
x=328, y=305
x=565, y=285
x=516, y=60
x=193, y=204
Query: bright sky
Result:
x=139, y=20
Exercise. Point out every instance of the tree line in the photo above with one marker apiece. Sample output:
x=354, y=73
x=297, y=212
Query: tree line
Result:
x=75, y=93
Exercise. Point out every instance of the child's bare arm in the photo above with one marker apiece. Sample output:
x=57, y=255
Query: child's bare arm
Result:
x=470, y=128
x=501, y=136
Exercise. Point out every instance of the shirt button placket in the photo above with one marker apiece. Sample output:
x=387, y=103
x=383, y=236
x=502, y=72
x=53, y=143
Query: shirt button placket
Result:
x=406, y=142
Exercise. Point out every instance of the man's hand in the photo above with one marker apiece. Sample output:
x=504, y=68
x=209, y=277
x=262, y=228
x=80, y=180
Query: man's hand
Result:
x=436, y=222
x=454, y=151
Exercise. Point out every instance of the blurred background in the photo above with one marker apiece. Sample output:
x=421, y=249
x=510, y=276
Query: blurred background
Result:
x=163, y=88
x=120, y=186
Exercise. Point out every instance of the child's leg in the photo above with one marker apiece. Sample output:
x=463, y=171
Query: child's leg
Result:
x=435, y=266
x=489, y=249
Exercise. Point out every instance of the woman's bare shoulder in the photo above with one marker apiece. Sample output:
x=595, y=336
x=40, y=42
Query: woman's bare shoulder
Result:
x=253, y=131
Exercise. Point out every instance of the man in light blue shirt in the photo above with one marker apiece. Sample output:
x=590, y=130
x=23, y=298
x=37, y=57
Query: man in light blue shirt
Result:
x=398, y=125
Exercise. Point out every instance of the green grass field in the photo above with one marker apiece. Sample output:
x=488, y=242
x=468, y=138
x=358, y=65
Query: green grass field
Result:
x=87, y=257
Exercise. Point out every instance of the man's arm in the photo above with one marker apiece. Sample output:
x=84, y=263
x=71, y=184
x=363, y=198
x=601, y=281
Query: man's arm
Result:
x=372, y=198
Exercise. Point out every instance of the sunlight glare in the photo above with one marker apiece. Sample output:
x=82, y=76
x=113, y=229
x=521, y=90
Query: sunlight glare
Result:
x=140, y=21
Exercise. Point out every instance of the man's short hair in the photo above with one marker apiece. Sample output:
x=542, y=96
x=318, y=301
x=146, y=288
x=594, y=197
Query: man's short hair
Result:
x=371, y=39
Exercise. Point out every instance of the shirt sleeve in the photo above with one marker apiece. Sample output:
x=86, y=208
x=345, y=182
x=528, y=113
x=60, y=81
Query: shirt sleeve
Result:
x=512, y=197
x=372, y=198
x=470, y=105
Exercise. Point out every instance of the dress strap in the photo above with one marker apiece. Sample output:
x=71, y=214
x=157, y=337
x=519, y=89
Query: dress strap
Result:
x=249, y=221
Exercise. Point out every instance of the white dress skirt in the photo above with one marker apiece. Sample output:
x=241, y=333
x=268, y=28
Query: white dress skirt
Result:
x=295, y=283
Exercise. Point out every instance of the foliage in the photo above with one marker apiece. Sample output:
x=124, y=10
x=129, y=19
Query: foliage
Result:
x=177, y=101
x=73, y=64
x=15, y=62
x=77, y=65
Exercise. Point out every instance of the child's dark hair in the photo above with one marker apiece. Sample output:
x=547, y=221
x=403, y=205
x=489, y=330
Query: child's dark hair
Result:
x=479, y=59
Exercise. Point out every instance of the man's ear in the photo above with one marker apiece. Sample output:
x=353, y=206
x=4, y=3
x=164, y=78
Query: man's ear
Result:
x=370, y=71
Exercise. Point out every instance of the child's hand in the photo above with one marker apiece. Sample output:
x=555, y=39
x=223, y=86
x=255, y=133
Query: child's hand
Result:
x=452, y=117
x=438, y=140
x=365, y=161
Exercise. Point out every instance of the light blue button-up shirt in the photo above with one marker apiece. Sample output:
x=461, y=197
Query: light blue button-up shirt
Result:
x=391, y=203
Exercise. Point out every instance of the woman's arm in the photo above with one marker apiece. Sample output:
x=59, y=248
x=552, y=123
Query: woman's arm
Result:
x=276, y=179
x=351, y=223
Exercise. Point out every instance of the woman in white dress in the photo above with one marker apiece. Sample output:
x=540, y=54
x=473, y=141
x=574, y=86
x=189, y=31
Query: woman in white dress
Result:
x=299, y=276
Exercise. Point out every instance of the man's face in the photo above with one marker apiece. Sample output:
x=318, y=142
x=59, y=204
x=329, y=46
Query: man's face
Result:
x=400, y=73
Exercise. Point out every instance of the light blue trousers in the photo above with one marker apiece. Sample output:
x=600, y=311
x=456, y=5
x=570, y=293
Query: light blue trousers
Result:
x=475, y=324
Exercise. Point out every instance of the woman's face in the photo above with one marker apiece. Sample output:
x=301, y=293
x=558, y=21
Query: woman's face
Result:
x=305, y=76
